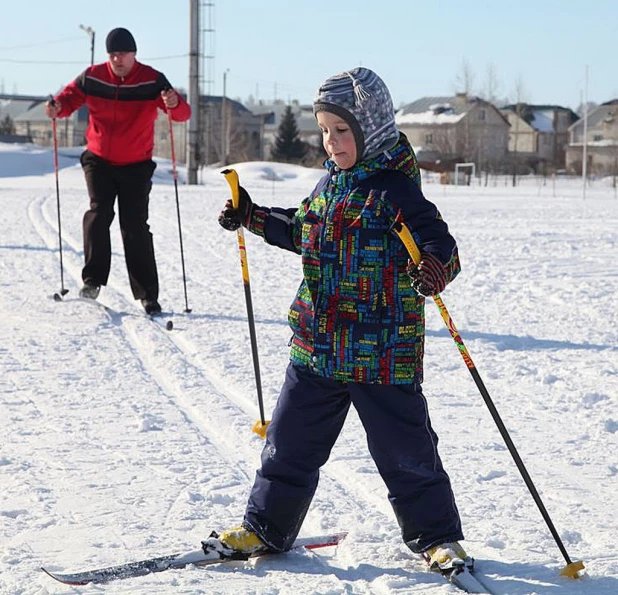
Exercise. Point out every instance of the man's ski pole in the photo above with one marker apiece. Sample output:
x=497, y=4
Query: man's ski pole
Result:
x=232, y=179
x=175, y=176
x=572, y=569
x=63, y=291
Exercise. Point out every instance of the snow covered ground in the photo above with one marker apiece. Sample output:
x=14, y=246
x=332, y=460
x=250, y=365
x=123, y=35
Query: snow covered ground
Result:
x=121, y=440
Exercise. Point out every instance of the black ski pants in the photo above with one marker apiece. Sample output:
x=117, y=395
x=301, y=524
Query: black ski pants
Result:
x=131, y=184
x=305, y=424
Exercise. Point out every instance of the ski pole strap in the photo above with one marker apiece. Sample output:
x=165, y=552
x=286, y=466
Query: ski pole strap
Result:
x=172, y=146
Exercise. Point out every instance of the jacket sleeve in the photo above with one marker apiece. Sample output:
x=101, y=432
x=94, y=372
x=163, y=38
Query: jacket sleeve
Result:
x=73, y=96
x=283, y=227
x=182, y=112
x=279, y=227
x=422, y=218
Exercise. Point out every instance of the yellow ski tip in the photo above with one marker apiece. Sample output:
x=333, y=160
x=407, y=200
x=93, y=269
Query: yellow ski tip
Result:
x=573, y=569
x=260, y=428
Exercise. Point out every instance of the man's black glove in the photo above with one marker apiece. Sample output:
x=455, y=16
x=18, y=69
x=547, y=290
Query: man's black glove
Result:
x=429, y=276
x=231, y=218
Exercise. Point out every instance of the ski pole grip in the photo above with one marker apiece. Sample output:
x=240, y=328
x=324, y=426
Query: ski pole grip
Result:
x=232, y=179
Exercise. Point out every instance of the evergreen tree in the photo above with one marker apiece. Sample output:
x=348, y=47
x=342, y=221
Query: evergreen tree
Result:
x=288, y=148
x=6, y=126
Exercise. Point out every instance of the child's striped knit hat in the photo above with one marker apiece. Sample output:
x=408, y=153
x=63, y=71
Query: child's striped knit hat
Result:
x=362, y=99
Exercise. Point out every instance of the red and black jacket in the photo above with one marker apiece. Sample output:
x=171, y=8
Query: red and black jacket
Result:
x=122, y=110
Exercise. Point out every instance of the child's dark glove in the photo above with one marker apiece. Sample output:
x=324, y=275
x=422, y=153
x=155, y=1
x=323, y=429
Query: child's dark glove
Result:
x=231, y=218
x=429, y=276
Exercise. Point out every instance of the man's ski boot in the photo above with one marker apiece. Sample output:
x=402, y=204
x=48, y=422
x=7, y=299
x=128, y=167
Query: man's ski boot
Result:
x=90, y=291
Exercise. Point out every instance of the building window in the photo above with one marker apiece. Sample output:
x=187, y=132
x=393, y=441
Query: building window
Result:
x=482, y=114
x=597, y=137
x=429, y=138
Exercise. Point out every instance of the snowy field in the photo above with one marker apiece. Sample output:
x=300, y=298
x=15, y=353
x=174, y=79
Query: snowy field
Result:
x=121, y=440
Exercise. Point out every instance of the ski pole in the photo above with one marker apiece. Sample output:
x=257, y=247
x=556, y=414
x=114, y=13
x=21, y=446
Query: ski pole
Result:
x=175, y=176
x=572, y=569
x=63, y=291
x=260, y=426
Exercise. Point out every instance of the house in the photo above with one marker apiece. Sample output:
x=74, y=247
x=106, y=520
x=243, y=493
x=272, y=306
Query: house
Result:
x=10, y=107
x=308, y=130
x=228, y=132
x=538, y=135
x=34, y=124
x=601, y=141
x=459, y=128
x=240, y=129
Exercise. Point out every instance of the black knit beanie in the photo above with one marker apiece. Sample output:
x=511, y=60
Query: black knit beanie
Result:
x=120, y=40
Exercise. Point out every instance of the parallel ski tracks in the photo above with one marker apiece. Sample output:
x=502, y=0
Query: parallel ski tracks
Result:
x=216, y=412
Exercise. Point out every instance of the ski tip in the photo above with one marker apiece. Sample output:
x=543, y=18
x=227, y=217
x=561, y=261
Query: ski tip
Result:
x=47, y=572
x=62, y=578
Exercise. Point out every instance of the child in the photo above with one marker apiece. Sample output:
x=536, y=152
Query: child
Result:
x=358, y=324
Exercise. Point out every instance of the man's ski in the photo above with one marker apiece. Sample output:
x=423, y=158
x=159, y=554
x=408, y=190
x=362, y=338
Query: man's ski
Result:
x=85, y=300
x=158, y=317
x=202, y=557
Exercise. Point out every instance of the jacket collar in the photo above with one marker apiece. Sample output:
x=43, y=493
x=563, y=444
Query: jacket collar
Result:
x=117, y=80
x=400, y=158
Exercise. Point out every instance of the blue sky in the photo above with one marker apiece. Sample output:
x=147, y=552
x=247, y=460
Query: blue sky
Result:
x=273, y=50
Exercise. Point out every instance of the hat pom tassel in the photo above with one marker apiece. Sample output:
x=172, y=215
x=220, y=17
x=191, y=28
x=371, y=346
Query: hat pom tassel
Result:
x=360, y=93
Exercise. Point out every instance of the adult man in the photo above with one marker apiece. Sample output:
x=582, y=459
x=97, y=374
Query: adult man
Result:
x=122, y=96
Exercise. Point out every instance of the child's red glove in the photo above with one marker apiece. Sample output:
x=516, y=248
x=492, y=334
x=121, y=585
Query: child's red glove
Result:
x=429, y=276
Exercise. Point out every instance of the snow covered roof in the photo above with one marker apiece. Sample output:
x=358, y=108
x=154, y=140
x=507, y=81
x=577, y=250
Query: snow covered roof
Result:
x=435, y=110
x=540, y=117
x=14, y=105
x=543, y=121
x=602, y=113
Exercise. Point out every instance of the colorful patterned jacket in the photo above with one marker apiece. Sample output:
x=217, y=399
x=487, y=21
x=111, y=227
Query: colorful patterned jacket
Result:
x=355, y=317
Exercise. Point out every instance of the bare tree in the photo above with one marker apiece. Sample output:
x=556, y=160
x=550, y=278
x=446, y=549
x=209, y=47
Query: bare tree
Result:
x=520, y=97
x=464, y=79
x=491, y=84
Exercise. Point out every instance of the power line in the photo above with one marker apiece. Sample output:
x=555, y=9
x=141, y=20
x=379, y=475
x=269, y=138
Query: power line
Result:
x=40, y=61
x=14, y=61
x=38, y=44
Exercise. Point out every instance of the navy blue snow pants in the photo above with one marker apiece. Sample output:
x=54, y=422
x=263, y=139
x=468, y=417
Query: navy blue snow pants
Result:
x=305, y=424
